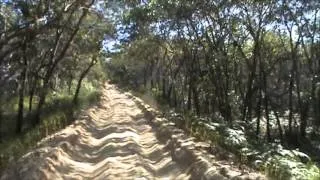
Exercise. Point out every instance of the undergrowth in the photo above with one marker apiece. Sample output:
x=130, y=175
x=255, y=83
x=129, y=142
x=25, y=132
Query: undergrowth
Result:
x=271, y=158
x=56, y=116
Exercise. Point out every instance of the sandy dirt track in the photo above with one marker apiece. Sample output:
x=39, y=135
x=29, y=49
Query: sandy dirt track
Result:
x=122, y=138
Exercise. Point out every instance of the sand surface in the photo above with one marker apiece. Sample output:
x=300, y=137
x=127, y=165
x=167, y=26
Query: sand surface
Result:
x=122, y=138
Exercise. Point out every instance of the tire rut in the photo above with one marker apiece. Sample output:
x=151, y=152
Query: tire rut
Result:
x=121, y=138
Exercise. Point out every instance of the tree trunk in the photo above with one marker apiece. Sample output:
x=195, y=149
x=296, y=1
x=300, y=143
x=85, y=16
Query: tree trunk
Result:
x=42, y=100
x=54, y=61
x=164, y=88
x=169, y=94
x=247, y=107
x=259, y=112
x=70, y=79
x=145, y=73
x=266, y=104
x=82, y=76
x=196, y=100
x=1, y=116
x=31, y=94
x=189, y=96
x=76, y=94
x=21, y=101
x=175, y=101
x=206, y=105
x=279, y=125
x=316, y=113
x=32, y=91
x=21, y=91
x=290, y=103
x=304, y=117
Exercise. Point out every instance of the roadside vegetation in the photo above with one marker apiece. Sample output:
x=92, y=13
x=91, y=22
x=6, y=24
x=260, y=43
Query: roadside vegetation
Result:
x=58, y=113
x=50, y=68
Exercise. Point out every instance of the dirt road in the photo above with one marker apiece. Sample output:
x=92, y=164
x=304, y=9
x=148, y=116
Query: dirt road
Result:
x=121, y=138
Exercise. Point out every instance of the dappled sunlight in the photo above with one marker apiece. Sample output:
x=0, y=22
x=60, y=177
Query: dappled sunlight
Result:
x=118, y=140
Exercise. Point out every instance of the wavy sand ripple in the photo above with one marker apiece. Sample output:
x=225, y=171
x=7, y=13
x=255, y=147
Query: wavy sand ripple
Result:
x=121, y=138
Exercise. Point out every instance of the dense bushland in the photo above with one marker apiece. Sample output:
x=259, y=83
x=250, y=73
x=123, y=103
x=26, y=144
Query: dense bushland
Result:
x=249, y=66
x=50, y=67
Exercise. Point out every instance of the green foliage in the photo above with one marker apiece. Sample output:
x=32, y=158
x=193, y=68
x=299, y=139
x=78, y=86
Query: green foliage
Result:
x=277, y=162
x=235, y=138
x=57, y=116
x=288, y=167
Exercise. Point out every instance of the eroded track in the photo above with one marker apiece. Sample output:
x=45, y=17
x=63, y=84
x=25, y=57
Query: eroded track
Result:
x=121, y=138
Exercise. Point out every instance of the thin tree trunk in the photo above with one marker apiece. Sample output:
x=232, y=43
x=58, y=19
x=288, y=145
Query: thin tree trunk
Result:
x=266, y=104
x=207, y=105
x=145, y=73
x=70, y=83
x=55, y=59
x=316, y=113
x=304, y=117
x=279, y=125
x=175, y=101
x=196, y=100
x=82, y=76
x=32, y=92
x=259, y=112
x=21, y=91
x=164, y=88
x=42, y=100
x=30, y=100
x=1, y=116
x=189, y=96
x=169, y=95
x=21, y=101
x=290, y=103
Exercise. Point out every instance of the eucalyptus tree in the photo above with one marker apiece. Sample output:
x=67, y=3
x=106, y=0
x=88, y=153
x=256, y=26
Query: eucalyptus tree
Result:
x=252, y=60
x=41, y=40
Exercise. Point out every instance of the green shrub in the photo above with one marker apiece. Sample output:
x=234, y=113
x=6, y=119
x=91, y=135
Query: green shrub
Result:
x=277, y=162
x=288, y=167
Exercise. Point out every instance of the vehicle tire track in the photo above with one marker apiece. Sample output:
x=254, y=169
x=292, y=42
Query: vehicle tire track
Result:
x=121, y=138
